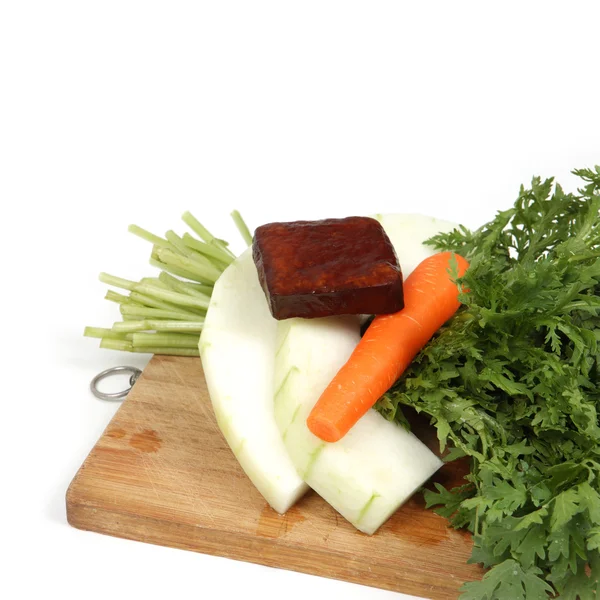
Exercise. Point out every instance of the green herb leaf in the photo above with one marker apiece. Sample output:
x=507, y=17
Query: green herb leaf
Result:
x=513, y=382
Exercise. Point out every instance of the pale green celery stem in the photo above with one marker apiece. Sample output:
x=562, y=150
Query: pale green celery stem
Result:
x=208, y=249
x=158, y=325
x=167, y=340
x=130, y=326
x=177, y=243
x=174, y=298
x=144, y=293
x=149, y=237
x=101, y=332
x=176, y=271
x=155, y=281
x=181, y=286
x=115, y=297
x=222, y=244
x=153, y=302
x=207, y=273
x=187, y=252
x=176, y=326
x=208, y=261
x=191, y=257
x=205, y=288
x=196, y=226
x=242, y=227
x=129, y=347
x=119, y=282
x=167, y=351
x=158, y=313
x=123, y=345
x=204, y=234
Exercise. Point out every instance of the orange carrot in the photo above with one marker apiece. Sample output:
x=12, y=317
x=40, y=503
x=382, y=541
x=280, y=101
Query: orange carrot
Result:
x=388, y=347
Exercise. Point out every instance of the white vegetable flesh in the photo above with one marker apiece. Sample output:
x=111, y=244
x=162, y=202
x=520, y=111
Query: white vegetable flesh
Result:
x=377, y=465
x=237, y=348
x=407, y=234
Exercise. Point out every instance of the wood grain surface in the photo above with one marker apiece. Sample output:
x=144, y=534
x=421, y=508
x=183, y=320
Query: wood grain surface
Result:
x=162, y=473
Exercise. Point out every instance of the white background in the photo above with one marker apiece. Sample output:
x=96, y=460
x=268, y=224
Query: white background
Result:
x=119, y=112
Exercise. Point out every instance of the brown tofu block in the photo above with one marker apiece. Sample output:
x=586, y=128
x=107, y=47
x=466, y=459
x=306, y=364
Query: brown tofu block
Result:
x=331, y=267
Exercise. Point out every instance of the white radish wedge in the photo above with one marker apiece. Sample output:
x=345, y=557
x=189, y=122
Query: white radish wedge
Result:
x=378, y=465
x=407, y=234
x=237, y=347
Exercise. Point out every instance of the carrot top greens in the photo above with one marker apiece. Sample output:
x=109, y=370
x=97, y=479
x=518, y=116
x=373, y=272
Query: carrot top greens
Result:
x=512, y=381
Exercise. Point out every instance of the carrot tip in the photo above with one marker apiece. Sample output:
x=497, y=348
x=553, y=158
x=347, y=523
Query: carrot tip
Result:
x=324, y=430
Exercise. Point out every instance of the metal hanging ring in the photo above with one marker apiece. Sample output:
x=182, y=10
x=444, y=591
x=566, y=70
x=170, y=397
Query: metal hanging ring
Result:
x=135, y=373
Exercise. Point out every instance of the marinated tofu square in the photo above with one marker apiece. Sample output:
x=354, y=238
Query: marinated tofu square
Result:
x=331, y=267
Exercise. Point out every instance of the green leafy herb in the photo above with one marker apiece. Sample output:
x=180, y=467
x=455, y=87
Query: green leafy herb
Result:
x=512, y=381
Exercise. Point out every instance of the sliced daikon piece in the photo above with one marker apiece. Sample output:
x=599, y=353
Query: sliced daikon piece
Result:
x=378, y=465
x=237, y=347
x=407, y=232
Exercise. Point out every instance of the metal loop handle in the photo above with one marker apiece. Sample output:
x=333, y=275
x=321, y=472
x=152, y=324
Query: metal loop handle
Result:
x=135, y=373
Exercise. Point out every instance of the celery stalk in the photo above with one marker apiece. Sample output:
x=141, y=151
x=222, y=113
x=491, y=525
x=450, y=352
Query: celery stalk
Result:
x=189, y=253
x=206, y=235
x=129, y=326
x=176, y=326
x=110, y=344
x=115, y=297
x=167, y=351
x=168, y=340
x=176, y=271
x=156, y=303
x=205, y=288
x=147, y=312
x=175, y=298
x=101, y=332
x=207, y=249
x=207, y=273
x=181, y=286
x=154, y=281
x=158, y=325
x=242, y=227
x=197, y=227
x=149, y=237
x=119, y=282
x=177, y=243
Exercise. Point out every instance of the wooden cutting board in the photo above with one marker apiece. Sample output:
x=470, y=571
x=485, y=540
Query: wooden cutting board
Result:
x=162, y=473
